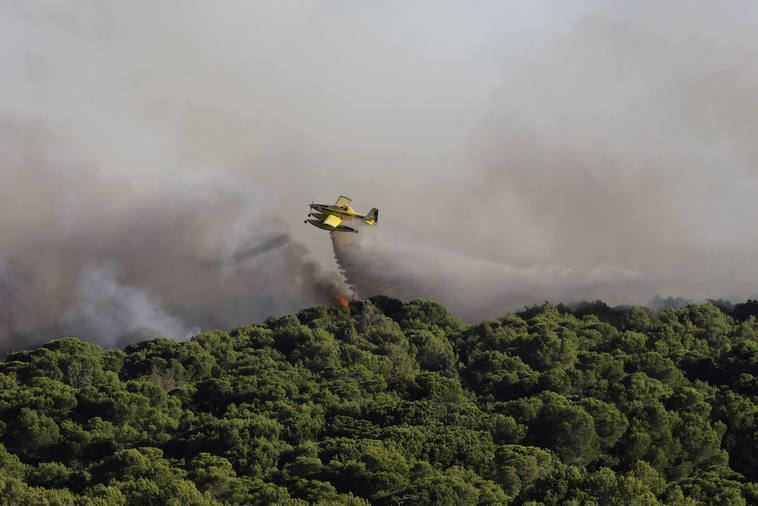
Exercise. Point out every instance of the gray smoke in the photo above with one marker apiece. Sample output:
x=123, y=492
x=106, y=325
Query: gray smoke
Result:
x=259, y=249
x=181, y=142
x=629, y=140
x=85, y=254
x=17, y=306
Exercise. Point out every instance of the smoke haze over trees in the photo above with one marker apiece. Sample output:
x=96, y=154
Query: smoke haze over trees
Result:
x=160, y=143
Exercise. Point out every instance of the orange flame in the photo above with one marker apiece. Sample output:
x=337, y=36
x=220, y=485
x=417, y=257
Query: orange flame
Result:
x=340, y=301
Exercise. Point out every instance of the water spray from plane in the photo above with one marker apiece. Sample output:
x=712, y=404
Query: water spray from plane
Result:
x=376, y=262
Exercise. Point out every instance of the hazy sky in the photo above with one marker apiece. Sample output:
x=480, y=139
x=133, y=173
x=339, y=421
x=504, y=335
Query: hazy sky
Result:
x=141, y=139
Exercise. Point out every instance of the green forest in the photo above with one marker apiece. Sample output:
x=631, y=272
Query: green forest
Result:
x=392, y=403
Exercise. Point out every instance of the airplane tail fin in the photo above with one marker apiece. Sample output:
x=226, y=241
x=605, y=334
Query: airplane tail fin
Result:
x=373, y=216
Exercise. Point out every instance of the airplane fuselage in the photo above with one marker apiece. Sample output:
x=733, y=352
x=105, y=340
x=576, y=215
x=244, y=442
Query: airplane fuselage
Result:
x=330, y=217
x=345, y=213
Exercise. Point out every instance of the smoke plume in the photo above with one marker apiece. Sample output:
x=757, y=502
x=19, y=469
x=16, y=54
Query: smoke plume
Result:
x=88, y=255
x=118, y=314
x=156, y=160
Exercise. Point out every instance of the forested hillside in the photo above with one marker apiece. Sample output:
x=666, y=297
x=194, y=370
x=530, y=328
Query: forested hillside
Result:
x=390, y=403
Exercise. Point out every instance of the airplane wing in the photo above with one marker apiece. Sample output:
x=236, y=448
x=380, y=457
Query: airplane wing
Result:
x=343, y=201
x=332, y=220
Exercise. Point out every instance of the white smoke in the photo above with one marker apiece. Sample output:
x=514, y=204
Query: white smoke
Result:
x=113, y=313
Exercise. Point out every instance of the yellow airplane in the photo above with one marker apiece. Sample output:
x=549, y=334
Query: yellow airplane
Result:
x=329, y=217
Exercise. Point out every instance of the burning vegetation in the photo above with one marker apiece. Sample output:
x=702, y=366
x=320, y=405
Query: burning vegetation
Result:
x=339, y=300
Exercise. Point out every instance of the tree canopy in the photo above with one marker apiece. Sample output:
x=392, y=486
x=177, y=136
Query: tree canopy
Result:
x=385, y=402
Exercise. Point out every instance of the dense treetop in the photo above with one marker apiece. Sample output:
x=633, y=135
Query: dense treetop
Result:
x=390, y=403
